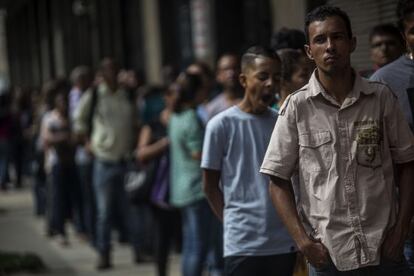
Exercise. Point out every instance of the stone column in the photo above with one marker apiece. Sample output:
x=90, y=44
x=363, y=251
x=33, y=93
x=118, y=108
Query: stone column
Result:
x=203, y=30
x=4, y=66
x=288, y=13
x=152, y=41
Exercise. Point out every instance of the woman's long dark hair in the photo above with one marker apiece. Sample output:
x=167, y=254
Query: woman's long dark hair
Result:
x=188, y=85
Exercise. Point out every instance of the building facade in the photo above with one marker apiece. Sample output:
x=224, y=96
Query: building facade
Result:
x=48, y=38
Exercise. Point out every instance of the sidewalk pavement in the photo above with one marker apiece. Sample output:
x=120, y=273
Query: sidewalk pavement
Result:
x=21, y=231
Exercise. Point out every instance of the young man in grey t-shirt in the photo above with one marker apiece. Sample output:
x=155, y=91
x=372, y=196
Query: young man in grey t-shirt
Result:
x=399, y=75
x=255, y=241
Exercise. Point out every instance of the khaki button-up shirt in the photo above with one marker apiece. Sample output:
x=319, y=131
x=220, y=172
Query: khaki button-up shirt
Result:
x=344, y=155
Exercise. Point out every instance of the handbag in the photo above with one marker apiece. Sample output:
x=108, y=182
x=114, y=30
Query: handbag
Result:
x=138, y=182
x=161, y=186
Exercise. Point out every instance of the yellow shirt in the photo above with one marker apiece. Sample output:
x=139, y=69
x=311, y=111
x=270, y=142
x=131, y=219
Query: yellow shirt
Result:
x=345, y=155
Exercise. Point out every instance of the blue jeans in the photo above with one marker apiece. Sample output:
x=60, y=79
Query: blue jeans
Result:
x=385, y=268
x=409, y=253
x=196, y=219
x=88, y=200
x=111, y=199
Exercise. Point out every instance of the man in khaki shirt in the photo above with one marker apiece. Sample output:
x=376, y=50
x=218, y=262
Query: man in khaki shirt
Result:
x=348, y=141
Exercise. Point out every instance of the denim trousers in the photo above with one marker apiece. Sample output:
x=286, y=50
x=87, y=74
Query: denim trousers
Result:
x=196, y=221
x=385, y=268
x=409, y=253
x=88, y=200
x=111, y=200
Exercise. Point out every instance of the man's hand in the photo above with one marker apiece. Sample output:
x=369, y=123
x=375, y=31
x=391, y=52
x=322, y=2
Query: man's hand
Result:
x=393, y=245
x=316, y=253
x=88, y=148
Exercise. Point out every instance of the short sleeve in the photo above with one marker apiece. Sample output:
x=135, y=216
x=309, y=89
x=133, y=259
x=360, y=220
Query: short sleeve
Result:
x=399, y=134
x=283, y=150
x=376, y=77
x=213, y=148
x=193, y=136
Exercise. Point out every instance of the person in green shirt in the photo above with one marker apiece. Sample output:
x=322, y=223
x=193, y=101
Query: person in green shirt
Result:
x=185, y=132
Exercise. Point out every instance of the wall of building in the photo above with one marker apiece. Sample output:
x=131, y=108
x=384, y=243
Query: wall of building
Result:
x=288, y=13
x=364, y=15
x=47, y=38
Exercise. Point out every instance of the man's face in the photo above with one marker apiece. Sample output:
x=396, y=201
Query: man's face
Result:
x=61, y=103
x=228, y=70
x=329, y=45
x=110, y=70
x=385, y=48
x=409, y=32
x=85, y=82
x=300, y=76
x=261, y=82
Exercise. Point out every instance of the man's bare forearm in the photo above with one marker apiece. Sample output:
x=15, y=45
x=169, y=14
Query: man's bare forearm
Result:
x=283, y=200
x=406, y=194
x=211, y=187
x=393, y=244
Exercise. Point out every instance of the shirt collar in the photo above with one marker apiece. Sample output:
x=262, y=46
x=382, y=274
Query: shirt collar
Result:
x=360, y=86
x=104, y=89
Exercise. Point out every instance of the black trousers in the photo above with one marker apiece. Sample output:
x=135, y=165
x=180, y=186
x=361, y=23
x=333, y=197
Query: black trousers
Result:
x=273, y=265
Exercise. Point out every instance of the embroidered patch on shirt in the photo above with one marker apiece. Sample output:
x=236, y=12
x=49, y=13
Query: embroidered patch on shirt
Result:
x=369, y=135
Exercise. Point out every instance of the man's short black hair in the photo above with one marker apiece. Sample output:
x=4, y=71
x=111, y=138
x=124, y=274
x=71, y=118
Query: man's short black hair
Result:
x=188, y=85
x=256, y=51
x=290, y=59
x=288, y=38
x=321, y=13
x=386, y=29
x=404, y=9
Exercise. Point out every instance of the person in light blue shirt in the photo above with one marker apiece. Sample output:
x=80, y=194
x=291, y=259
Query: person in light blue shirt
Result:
x=255, y=240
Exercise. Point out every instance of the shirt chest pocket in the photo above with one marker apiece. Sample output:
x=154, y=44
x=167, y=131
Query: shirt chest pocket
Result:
x=315, y=151
x=368, y=147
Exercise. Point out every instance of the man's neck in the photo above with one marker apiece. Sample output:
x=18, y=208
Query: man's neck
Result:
x=246, y=106
x=337, y=85
x=232, y=95
x=112, y=87
x=283, y=95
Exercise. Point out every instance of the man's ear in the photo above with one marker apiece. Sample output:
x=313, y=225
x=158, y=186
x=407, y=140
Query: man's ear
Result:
x=308, y=51
x=242, y=80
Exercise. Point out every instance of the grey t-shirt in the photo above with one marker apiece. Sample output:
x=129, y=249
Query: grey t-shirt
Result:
x=235, y=143
x=217, y=105
x=399, y=76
